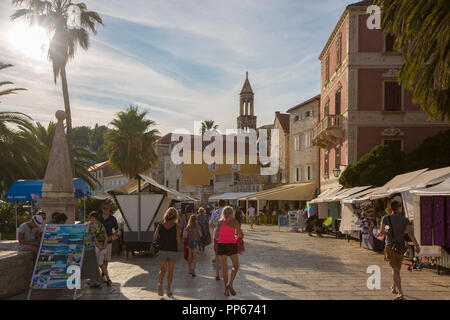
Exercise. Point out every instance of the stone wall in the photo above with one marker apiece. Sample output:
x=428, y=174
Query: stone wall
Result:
x=15, y=272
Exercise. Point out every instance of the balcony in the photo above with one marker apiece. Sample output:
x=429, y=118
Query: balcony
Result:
x=328, y=132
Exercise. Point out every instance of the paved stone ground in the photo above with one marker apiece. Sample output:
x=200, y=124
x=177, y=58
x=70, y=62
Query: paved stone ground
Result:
x=276, y=265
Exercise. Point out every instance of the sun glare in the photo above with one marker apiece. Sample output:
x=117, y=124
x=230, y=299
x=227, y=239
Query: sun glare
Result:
x=32, y=42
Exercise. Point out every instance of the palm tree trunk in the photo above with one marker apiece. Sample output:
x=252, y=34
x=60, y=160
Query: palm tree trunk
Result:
x=69, y=116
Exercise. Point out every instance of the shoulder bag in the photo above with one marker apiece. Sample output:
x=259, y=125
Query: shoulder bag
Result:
x=397, y=246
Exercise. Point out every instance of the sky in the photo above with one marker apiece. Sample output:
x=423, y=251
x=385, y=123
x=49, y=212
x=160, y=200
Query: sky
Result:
x=181, y=61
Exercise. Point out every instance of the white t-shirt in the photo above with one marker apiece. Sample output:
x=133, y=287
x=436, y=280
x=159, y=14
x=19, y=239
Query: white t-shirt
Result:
x=28, y=233
x=251, y=212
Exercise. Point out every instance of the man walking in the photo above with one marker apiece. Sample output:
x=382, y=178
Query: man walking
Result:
x=394, y=227
x=110, y=223
x=251, y=216
x=215, y=217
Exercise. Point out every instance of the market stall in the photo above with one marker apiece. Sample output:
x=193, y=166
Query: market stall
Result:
x=142, y=203
x=432, y=222
x=290, y=192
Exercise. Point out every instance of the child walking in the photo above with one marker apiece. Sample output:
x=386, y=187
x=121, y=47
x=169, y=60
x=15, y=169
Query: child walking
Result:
x=192, y=233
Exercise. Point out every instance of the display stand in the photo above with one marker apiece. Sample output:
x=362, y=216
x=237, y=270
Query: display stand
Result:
x=57, y=252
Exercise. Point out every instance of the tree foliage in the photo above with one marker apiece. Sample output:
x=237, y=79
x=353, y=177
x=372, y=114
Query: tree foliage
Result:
x=433, y=153
x=132, y=142
x=422, y=31
x=375, y=168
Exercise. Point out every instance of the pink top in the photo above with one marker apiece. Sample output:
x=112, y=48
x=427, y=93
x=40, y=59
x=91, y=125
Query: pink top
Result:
x=227, y=234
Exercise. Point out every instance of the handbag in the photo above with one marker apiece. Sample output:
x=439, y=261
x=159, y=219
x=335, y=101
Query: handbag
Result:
x=240, y=245
x=154, y=248
x=397, y=246
x=208, y=239
x=185, y=250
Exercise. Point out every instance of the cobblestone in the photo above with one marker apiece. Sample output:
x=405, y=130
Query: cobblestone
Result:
x=276, y=265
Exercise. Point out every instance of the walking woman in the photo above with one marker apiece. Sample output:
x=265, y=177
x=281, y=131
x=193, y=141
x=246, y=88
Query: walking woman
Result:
x=227, y=229
x=192, y=233
x=169, y=235
x=203, y=223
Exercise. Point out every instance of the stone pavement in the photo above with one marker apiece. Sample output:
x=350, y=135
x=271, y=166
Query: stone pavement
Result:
x=276, y=265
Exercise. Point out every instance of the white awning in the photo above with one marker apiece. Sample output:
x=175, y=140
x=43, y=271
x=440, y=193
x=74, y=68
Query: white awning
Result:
x=132, y=187
x=345, y=193
x=360, y=196
x=327, y=194
x=229, y=196
x=425, y=179
x=412, y=180
x=396, y=182
x=294, y=192
x=442, y=189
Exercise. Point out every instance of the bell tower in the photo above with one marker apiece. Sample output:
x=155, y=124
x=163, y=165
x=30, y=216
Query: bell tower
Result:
x=247, y=118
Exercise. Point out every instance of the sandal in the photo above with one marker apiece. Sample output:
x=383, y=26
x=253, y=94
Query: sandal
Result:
x=399, y=298
x=217, y=278
x=160, y=290
x=169, y=293
x=230, y=288
x=226, y=292
x=393, y=290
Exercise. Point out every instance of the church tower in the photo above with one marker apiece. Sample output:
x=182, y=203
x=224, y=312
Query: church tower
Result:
x=247, y=118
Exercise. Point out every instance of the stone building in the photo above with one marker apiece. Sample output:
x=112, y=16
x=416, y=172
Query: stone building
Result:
x=108, y=178
x=246, y=119
x=303, y=155
x=281, y=123
x=362, y=105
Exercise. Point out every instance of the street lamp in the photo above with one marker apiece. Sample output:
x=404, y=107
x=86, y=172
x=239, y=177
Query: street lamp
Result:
x=336, y=172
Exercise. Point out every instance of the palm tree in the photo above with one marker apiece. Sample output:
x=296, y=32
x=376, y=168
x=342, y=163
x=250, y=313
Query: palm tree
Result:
x=54, y=16
x=4, y=83
x=131, y=142
x=422, y=31
x=208, y=125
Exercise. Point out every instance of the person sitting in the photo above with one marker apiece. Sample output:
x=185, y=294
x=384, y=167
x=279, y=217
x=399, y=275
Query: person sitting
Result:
x=27, y=234
x=60, y=218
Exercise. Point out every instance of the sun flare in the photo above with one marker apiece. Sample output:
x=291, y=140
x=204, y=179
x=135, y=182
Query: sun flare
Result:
x=32, y=42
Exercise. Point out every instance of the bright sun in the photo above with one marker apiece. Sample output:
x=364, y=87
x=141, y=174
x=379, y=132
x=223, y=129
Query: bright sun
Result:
x=30, y=41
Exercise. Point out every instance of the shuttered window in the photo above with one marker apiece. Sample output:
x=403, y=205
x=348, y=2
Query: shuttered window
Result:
x=389, y=43
x=338, y=102
x=392, y=96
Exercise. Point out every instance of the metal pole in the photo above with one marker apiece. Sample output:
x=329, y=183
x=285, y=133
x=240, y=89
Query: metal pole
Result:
x=139, y=208
x=84, y=208
x=15, y=206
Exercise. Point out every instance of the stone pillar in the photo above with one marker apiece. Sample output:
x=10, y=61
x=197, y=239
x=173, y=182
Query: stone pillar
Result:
x=241, y=109
x=58, y=190
x=246, y=108
x=251, y=109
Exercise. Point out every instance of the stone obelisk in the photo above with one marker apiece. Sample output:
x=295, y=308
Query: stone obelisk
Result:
x=58, y=190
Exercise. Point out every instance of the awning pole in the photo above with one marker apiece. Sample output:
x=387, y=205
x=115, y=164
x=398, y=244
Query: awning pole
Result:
x=15, y=205
x=139, y=208
x=84, y=208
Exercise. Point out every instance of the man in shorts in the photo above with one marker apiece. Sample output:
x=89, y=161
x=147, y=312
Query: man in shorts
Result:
x=215, y=217
x=110, y=223
x=399, y=225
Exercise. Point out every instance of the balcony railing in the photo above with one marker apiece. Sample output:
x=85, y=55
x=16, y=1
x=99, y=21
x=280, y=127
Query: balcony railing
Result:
x=328, y=132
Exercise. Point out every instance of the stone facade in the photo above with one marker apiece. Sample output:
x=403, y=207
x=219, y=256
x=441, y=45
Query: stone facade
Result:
x=108, y=178
x=358, y=78
x=303, y=156
x=57, y=189
x=281, y=123
x=16, y=269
